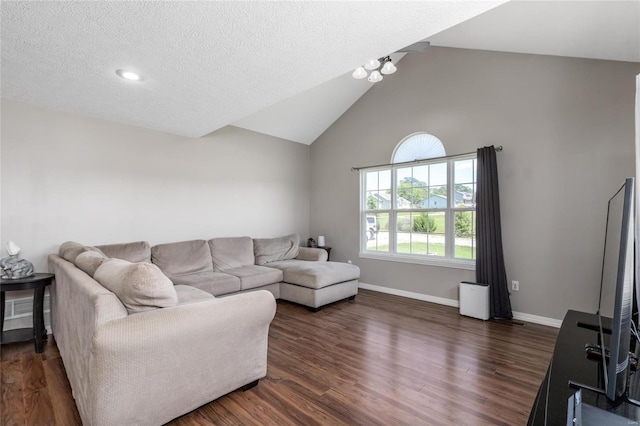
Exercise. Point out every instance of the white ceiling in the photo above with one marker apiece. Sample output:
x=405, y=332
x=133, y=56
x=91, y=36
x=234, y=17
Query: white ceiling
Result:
x=304, y=117
x=582, y=29
x=205, y=64
x=279, y=68
x=607, y=30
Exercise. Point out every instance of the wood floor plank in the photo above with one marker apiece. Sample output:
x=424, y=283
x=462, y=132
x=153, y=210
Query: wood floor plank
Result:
x=275, y=409
x=11, y=401
x=33, y=377
x=13, y=351
x=50, y=349
x=299, y=404
x=381, y=360
x=38, y=408
x=195, y=418
x=66, y=412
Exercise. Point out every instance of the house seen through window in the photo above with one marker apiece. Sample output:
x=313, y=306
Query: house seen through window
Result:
x=423, y=210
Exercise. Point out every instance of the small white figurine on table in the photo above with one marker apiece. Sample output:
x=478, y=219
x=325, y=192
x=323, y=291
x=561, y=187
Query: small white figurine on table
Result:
x=14, y=268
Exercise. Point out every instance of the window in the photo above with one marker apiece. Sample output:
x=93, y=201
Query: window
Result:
x=422, y=212
x=418, y=146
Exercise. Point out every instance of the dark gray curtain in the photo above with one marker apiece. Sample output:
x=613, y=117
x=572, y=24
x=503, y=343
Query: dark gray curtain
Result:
x=489, y=256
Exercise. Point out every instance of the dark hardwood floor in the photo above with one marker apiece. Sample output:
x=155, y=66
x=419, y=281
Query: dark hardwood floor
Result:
x=379, y=361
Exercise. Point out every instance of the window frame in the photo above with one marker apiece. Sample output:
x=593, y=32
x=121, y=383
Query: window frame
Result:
x=392, y=255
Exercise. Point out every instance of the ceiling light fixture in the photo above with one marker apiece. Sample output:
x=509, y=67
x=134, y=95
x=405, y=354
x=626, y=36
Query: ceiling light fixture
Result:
x=378, y=67
x=128, y=75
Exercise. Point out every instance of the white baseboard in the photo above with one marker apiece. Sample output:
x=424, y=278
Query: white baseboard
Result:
x=410, y=295
x=536, y=319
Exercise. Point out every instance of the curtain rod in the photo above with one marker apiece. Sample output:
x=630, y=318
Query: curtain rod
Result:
x=355, y=169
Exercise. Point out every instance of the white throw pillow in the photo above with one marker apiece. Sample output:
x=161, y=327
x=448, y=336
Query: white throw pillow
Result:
x=89, y=261
x=139, y=286
x=70, y=250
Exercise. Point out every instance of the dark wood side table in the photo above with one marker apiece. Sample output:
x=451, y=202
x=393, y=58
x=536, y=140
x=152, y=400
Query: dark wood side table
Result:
x=37, y=282
x=328, y=250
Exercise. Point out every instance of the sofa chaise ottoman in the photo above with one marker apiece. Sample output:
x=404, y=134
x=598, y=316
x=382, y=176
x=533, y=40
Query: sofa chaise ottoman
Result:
x=315, y=284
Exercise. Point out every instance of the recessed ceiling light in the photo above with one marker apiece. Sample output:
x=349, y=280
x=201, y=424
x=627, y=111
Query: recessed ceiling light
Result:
x=128, y=75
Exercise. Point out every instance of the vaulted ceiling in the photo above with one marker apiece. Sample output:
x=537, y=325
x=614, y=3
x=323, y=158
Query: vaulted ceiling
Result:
x=204, y=64
x=280, y=68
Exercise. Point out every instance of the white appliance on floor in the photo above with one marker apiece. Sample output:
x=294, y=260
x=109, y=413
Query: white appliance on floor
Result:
x=474, y=300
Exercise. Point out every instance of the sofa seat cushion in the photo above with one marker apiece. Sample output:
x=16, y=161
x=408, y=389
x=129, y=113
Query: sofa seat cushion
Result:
x=188, y=294
x=215, y=283
x=316, y=274
x=254, y=276
x=228, y=253
x=138, y=251
x=184, y=257
x=139, y=286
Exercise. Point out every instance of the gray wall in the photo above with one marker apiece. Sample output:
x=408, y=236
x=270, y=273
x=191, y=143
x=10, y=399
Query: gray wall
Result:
x=66, y=177
x=567, y=127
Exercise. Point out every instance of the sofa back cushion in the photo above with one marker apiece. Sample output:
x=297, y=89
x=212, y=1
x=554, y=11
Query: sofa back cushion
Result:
x=229, y=253
x=273, y=249
x=185, y=257
x=70, y=250
x=138, y=251
x=89, y=261
x=139, y=286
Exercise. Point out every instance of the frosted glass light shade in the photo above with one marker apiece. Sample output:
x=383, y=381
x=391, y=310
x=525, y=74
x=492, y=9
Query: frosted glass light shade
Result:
x=375, y=77
x=128, y=75
x=372, y=64
x=359, y=73
x=388, y=68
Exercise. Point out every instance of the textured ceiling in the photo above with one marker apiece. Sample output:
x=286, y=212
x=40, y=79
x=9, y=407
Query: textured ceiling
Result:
x=279, y=68
x=204, y=64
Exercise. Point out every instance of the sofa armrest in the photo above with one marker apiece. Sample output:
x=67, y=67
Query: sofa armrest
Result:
x=313, y=254
x=152, y=367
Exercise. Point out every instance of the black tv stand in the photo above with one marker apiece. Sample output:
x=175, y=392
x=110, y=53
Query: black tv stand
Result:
x=594, y=352
x=593, y=327
x=578, y=385
x=570, y=367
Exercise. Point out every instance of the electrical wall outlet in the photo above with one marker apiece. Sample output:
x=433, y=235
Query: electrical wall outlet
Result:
x=515, y=285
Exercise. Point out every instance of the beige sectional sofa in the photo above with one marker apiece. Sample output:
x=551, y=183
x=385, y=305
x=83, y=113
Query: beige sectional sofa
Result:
x=148, y=334
x=222, y=266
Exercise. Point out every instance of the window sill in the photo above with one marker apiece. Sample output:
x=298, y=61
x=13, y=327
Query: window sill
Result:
x=420, y=260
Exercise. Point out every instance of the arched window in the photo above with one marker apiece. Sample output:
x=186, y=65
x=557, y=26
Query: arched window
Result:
x=418, y=146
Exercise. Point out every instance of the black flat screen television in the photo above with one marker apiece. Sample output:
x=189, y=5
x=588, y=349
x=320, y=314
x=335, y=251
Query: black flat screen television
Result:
x=616, y=289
